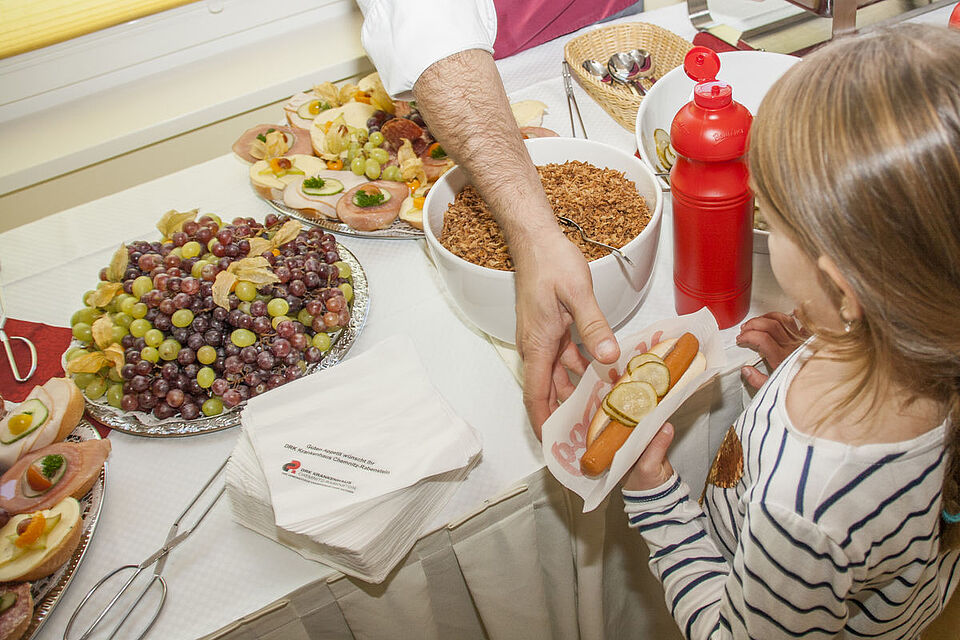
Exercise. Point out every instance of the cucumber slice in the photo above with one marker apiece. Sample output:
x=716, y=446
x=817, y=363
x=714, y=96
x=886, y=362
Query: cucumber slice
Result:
x=7, y=600
x=330, y=187
x=38, y=413
x=386, y=196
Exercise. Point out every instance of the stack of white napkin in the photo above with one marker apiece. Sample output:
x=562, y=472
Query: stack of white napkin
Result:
x=348, y=466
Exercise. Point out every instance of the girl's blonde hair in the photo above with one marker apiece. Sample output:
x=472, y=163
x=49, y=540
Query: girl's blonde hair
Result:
x=856, y=153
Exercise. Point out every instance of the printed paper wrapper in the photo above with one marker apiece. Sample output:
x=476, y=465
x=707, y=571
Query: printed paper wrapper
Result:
x=565, y=432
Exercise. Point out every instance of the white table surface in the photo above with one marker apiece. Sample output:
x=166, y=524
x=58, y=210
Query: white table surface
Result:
x=225, y=571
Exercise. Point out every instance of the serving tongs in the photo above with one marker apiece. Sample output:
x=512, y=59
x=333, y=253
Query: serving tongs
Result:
x=174, y=537
x=8, y=347
x=572, y=101
x=583, y=234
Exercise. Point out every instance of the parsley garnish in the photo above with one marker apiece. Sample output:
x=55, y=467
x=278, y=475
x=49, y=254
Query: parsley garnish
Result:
x=51, y=464
x=262, y=138
x=438, y=152
x=366, y=199
x=315, y=182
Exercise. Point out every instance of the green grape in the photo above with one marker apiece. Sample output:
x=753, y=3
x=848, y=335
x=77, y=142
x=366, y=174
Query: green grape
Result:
x=191, y=249
x=141, y=285
x=347, y=290
x=212, y=407
x=197, y=268
x=150, y=353
x=126, y=304
x=82, y=332
x=86, y=315
x=205, y=377
x=139, y=327
x=244, y=307
x=215, y=218
x=380, y=155
x=392, y=173
x=84, y=297
x=209, y=258
x=153, y=337
x=84, y=379
x=122, y=320
x=278, y=307
x=96, y=389
x=343, y=268
x=113, y=306
x=304, y=318
x=114, y=395
x=169, y=349
x=368, y=146
x=353, y=150
x=182, y=318
x=321, y=341
x=243, y=337
x=118, y=333
x=278, y=319
x=372, y=169
x=113, y=375
x=246, y=291
x=74, y=352
x=376, y=139
x=139, y=310
x=358, y=165
x=206, y=354
x=212, y=242
x=177, y=251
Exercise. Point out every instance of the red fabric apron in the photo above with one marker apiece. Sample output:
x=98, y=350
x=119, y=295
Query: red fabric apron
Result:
x=522, y=24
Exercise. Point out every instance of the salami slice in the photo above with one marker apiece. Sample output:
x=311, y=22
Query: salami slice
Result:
x=15, y=620
x=378, y=216
x=298, y=139
x=396, y=130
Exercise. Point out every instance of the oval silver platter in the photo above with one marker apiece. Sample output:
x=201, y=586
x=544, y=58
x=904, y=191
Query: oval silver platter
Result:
x=141, y=424
x=399, y=230
x=47, y=591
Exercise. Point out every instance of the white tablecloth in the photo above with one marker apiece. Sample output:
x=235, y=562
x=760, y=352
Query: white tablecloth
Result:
x=226, y=571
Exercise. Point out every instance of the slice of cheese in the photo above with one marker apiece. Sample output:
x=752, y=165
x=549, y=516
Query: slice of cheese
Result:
x=12, y=566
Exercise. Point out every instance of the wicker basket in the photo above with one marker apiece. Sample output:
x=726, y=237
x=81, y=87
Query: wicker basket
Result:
x=665, y=47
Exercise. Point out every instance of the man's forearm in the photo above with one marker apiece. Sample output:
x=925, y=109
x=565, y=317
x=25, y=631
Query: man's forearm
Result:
x=462, y=99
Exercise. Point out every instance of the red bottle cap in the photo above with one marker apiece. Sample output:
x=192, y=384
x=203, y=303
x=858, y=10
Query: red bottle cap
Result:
x=713, y=95
x=954, y=22
x=701, y=64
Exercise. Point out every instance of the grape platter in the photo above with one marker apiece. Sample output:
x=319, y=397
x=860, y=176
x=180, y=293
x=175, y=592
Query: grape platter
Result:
x=179, y=333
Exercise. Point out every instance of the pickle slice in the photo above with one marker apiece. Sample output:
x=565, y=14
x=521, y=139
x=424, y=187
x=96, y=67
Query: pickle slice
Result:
x=656, y=373
x=636, y=361
x=616, y=415
x=633, y=400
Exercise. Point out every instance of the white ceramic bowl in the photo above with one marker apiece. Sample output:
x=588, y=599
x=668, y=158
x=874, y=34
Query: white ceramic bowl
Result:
x=487, y=296
x=750, y=73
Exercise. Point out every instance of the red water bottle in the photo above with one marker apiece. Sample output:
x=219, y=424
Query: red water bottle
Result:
x=712, y=203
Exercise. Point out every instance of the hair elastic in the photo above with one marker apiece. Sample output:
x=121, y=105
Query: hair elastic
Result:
x=952, y=518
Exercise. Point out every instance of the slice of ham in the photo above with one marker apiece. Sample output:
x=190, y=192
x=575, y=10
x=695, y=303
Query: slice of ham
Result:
x=300, y=141
x=294, y=103
x=435, y=167
x=84, y=461
x=319, y=206
x=377, y=217
x=538, y=132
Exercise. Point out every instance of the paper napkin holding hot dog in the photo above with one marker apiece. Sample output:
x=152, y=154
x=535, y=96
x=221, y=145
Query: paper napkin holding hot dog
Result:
x=565, y=432
x=356, y=458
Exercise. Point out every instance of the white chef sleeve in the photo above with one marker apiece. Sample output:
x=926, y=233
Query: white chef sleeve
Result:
x=404, y=37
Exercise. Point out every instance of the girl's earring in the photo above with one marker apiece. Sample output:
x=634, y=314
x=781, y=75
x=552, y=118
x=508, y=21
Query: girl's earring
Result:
x=847, y=324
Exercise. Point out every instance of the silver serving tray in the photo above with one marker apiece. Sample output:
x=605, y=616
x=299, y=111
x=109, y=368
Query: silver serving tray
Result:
x=142, y=424
x=399, y=230
x=47, y=591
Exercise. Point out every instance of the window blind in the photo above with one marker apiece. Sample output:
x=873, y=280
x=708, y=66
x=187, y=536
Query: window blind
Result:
x=26, y=25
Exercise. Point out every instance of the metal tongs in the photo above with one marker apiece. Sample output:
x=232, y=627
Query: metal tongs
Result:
x=174, y=537
x=586, y=238
x=8, y=347
x=572, y=101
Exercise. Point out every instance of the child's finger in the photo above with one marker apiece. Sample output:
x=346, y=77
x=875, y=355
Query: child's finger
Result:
x=653, y=468
x=753, y=377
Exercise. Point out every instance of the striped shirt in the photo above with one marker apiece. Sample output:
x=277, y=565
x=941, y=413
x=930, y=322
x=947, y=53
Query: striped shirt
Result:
x=818, y=538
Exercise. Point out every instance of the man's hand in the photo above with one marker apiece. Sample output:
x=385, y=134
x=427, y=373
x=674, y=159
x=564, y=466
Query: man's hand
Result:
x=554, y=290
x=465, y=106
x=774, y=336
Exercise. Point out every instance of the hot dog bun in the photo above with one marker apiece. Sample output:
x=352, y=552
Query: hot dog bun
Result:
x=605, y=436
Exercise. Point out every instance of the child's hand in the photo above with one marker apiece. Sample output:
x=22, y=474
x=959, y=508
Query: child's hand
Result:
x=774, y=336
x=653, y=468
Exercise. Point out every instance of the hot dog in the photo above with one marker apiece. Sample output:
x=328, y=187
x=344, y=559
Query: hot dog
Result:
x=677, y=361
